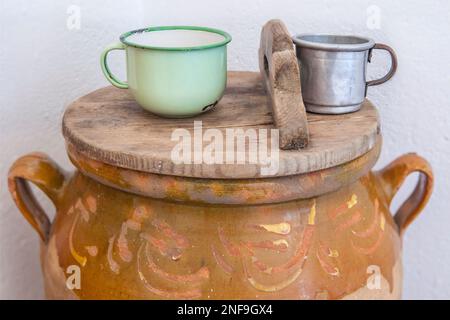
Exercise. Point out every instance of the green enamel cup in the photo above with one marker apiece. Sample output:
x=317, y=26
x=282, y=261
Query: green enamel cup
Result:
x=173, y=71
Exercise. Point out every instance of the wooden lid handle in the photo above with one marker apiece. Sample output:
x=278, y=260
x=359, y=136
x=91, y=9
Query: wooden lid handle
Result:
x=280, y=71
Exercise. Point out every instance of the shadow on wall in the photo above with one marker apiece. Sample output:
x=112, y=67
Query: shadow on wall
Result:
x=52, y=59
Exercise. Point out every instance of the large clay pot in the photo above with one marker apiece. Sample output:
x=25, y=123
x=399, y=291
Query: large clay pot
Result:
x=327, y=234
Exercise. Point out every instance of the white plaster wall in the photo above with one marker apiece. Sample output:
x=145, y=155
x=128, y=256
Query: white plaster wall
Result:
x=44, y=66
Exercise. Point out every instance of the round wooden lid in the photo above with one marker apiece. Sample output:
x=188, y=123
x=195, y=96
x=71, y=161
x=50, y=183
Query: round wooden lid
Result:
x=109, y=126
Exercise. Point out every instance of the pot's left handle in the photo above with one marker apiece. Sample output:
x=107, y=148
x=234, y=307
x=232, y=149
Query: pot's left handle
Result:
x=39, y=169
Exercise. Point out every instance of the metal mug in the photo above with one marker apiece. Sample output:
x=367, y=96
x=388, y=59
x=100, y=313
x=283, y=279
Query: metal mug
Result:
x=333, y=71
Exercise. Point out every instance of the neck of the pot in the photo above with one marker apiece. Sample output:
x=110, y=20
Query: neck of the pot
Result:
x=226, y=191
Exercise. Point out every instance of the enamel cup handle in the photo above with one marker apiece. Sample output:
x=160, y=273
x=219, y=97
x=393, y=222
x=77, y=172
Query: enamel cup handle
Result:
x=105, y=68
x=39, y=169
x=394, y=64
x=391, y=179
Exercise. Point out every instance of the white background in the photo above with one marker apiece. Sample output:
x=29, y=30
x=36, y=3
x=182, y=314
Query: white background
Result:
x=44, y=66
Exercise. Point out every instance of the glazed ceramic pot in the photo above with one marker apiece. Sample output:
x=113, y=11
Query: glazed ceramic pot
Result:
x=173, y=71
x=327, y=234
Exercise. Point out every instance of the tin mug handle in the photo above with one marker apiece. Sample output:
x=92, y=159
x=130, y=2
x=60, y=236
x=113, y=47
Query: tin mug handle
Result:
x=394, y=64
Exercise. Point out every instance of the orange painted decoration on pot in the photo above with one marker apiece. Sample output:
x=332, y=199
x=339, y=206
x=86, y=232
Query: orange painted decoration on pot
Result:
x=132, y=245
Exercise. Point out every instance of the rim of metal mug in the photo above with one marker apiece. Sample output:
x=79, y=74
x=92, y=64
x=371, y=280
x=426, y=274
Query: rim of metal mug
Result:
x=226, y=38
x=302, y=41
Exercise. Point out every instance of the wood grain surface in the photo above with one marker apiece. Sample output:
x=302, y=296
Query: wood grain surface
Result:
x=109, y=126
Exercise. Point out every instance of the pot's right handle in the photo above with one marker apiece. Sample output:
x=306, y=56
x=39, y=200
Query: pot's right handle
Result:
x=393, y=176
x=39, y=169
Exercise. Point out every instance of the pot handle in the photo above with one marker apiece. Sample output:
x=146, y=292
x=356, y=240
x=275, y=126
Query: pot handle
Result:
x=39, y=169
x=393, y=176
x=394, y=64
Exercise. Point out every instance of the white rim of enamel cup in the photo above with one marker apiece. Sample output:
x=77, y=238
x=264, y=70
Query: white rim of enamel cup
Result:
x=226, y=38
